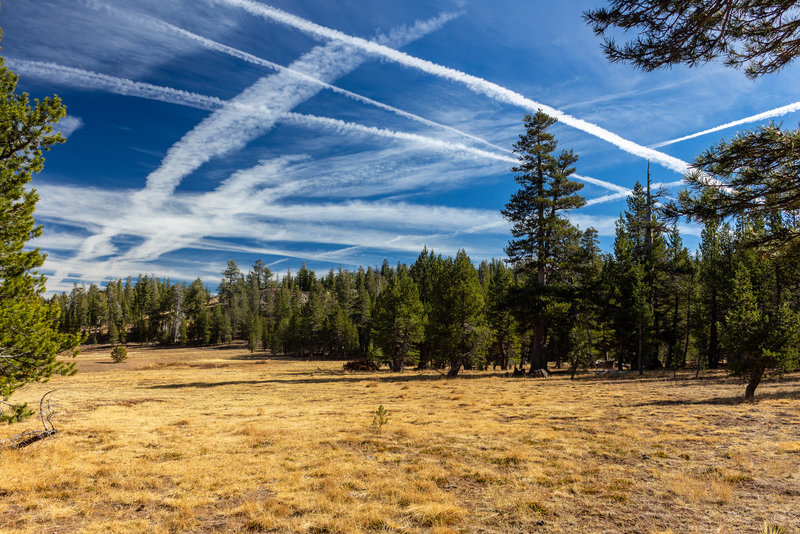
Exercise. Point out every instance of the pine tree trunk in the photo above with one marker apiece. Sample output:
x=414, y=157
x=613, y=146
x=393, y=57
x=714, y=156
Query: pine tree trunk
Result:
x=397, y=362
x=755, y=379
x=688, y=322
x=713, y=341
x=652, y=359
x=539, y=355
x=455, y=367
x=673, y=335
x=640, y=361
x=424, y=356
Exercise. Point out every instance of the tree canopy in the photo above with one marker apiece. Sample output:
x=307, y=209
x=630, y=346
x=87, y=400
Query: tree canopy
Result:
x=761, y=36
x=757, y=171
x=29, y=340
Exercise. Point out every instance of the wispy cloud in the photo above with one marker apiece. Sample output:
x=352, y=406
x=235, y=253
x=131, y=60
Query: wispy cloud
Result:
x=233, y=123
x=279, y=198
x=69, y=124
x=474, y=83
x=626, y=95
x=244, y=195
x=191, y=220
x=776, y=112
x=428, y=142
x=247, y=116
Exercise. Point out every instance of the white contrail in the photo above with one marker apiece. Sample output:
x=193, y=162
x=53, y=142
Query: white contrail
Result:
x=232, y=126
x=474, y=83
x=777, y=112
x=121, y=86
x=430, y=142
x=602, y=183
x=624, y=192
x=88, y=79
x=128, y=87
x=255, y=60
x=608, y=198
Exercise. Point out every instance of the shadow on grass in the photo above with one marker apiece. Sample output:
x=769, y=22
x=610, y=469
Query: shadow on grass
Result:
x=682, y=380
x=251, y=356
x=324, y=380
x=738, y=399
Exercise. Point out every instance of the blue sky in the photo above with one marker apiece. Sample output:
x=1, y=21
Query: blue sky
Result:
x=337, y=133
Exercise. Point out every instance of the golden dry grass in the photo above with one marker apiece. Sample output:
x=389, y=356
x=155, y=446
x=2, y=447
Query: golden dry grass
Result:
x=211, y=441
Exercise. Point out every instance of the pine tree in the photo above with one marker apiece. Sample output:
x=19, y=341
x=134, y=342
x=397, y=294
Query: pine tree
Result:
x=341, y=334
x=113, y=334
x=639, y=279
x=757, y=338
x=29, y=339
x=757, y=171
x=679, y=281
x=425, y=271
x=398, y=319
x=312, y=324
x=183, y=335
x=262, y=274
x=540, y=229
x=362, y=312
x=460, y=334
x=584, y=329
x=505, y=345
x=716, y=273
x=305, y=278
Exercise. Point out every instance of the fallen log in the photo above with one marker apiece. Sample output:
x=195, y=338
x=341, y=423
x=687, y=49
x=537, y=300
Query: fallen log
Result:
x=29, y=438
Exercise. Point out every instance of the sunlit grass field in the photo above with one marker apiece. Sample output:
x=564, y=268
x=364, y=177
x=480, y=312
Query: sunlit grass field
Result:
x=187, y=440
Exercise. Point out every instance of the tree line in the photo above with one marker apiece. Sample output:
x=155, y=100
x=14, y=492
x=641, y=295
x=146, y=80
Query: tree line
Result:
x=648, y=303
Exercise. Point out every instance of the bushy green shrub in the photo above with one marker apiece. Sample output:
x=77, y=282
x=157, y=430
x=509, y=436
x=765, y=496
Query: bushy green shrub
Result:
x=119, y=354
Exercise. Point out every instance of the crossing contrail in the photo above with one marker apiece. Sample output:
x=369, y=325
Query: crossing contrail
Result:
x=210, y=44
x=474, y=83
x=234, y=124
x=124, y=86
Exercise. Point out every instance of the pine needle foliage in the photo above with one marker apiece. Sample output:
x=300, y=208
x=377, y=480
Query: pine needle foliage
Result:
x=761, y=36
x=29, y=340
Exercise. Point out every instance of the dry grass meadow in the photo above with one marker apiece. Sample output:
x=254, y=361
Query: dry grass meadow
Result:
x=187, y=440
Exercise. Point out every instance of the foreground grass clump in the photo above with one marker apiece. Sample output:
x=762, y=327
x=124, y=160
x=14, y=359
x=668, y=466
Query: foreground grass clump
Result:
x=215, y=441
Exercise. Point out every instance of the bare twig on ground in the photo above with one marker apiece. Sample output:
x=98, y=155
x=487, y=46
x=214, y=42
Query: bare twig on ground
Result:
x=47, y=409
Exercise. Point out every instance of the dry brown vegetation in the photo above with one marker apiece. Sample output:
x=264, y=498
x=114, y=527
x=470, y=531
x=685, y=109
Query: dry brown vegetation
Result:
x=213, y=441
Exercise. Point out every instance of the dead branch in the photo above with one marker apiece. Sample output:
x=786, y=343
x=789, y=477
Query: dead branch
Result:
x=47, y=409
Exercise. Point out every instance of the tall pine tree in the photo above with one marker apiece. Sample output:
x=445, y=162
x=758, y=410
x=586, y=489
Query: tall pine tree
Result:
x=540, y=229
x=29, y=339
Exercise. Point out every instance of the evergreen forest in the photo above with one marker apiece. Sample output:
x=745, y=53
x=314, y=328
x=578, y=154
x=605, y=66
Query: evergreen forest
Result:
x=649, y=303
